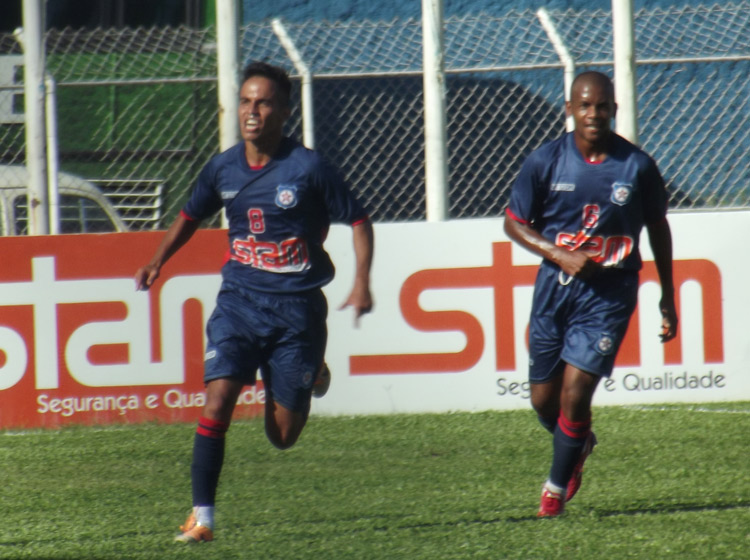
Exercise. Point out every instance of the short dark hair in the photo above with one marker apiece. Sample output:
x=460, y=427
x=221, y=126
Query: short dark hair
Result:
x=274, y=73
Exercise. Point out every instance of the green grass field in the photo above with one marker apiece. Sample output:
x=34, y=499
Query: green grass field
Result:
x=664, y=482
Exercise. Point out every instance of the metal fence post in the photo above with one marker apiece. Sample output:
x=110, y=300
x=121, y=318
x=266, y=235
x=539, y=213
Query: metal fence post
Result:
x=227, y=24
x=623, y=40
x=435, y=136
x=53, y=156
x=308, y=105
x=569, y=64
x=227, y=70
x=32, y=40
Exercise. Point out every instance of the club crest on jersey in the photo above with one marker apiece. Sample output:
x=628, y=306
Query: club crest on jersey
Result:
x=621, y=193
x=286, y=196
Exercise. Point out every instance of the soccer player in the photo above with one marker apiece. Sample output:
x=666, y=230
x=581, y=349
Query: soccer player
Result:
x=580, y=203
x=270, y=315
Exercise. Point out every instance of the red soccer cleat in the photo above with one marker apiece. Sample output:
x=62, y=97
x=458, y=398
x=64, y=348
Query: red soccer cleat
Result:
x=575, y=480
x=552, y=503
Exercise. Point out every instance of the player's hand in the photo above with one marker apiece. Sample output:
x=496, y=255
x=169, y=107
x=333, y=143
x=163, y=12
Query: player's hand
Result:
x=361, y=300
x=146, y=276
x=578, y=264
x=668, y=319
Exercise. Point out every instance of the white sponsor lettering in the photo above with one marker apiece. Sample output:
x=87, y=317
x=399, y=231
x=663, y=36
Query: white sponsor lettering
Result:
x=69, y=406
x=45, y=292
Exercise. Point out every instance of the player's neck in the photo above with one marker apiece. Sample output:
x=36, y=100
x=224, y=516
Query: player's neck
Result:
x=594, y=156
x=259, y=154
x=594, y=152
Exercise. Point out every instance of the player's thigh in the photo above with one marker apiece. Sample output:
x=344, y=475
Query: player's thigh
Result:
x=598, y=323
x=547, y=325
x=235, y=333
x=295, y=358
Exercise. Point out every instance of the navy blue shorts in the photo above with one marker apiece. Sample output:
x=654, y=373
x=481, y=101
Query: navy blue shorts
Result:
x=581, y=323
x=282, y=335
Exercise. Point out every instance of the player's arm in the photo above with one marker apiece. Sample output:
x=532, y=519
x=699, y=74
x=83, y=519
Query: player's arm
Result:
x=360, y=297
x=572, y=263
x=660, y=239
x=181, y=230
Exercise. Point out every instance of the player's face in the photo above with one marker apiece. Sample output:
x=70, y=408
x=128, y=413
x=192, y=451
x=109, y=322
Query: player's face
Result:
x=592, y=106
x=262, y=111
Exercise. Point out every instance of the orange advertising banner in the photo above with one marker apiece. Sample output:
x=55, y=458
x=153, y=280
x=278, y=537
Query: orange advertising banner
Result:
x=78, y=343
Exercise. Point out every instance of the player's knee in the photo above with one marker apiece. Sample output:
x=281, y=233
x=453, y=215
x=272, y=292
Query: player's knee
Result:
x=546, y=405
x=283, y=445
x=283, y=425
x=281, y=434
x=218, y=413
x=576, y=400
x=281, y=440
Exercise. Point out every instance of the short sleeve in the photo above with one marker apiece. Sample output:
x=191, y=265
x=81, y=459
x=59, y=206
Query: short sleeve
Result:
x=524, y=195
x=342, y=205
x=655, y=195
x=204, y=200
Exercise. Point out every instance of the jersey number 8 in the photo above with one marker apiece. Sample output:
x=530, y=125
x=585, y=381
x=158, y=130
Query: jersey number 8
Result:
x=257, y=222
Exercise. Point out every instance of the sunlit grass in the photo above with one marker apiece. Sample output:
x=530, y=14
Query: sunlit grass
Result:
x=664, y=482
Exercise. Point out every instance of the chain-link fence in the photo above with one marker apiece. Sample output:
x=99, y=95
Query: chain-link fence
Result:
x=138, y=111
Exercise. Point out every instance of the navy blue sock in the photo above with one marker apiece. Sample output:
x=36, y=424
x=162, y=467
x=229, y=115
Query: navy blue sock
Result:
x=568, y=442
x=208, y=458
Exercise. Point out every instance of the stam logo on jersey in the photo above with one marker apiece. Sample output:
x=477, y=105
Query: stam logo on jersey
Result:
x=286, y=196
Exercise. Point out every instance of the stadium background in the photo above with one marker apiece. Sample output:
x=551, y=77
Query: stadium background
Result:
x=138, y=113
x=296, y=10
x=138, y=116
x=667, y=484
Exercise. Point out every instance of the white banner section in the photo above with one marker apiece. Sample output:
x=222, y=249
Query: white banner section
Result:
x=452, y=302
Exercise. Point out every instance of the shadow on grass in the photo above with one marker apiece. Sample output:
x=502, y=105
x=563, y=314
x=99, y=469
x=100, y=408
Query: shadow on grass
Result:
x=380, y=523
x=645, y=510
x=674, y=508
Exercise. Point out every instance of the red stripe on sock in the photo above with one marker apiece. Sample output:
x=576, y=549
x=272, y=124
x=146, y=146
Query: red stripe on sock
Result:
x=211, y=428
x=577, y=430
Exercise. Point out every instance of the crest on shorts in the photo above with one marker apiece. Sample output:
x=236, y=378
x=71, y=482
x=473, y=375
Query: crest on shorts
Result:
x=605, y=345
x=307, y=379
x=621, y=193
x=286, y=196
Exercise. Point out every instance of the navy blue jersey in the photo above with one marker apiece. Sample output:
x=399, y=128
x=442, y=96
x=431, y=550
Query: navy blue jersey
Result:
x=599, y=207
x=278, y=215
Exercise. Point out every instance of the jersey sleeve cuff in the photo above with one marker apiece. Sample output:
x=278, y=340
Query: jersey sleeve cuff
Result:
x=187, y=216
x=361, y=220
x=512, y=216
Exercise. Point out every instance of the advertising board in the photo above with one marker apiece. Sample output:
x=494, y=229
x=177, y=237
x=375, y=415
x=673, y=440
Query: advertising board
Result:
x=79, y=345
